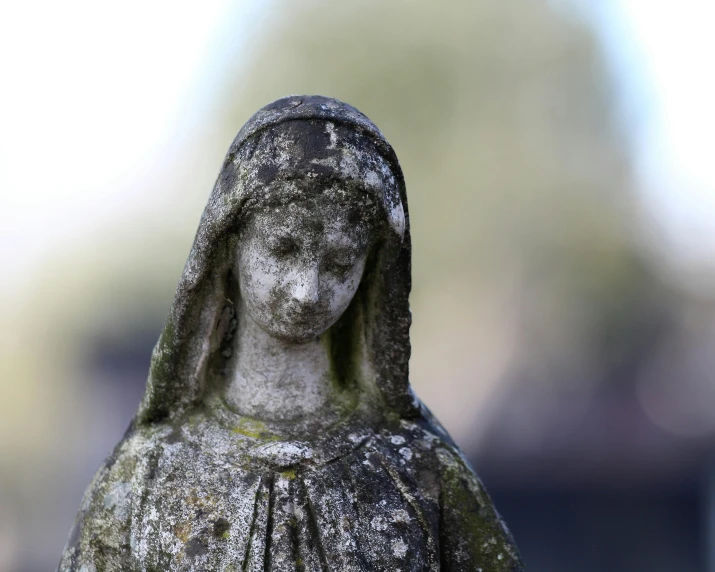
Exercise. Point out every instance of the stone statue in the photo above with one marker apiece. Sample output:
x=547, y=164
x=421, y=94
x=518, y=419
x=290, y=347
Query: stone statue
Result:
x=278, y=430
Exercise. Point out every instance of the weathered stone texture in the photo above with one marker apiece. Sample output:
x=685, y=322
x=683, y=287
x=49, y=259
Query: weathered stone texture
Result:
x=278, y=430
x=222, y=492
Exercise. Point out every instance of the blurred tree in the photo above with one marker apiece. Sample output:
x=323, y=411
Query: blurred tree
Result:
x=518, y=177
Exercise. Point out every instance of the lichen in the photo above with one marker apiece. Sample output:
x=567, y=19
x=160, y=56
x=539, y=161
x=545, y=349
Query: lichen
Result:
x=254, y=429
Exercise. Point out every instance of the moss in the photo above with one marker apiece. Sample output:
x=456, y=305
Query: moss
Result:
x=470, y=518
x=159, y=367
x=125, y=469
x=255, y=429
x=289, y=473
x=182, y=531
x=221, y=528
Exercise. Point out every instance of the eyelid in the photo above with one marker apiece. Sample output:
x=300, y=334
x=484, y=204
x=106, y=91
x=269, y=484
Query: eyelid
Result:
x=341, y=263
x=347, y=254
x=282, y=244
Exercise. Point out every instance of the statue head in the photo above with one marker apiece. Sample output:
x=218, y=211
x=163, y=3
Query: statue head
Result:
x=299, y=264
x=317, y=210
x=307, y=227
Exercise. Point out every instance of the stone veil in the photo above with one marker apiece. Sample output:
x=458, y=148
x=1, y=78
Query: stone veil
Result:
x=376, y=484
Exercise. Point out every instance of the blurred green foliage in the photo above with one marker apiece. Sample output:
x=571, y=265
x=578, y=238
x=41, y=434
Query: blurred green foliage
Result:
x=518, y=176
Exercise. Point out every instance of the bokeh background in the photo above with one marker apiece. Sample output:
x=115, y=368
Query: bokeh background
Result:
x=562, y=191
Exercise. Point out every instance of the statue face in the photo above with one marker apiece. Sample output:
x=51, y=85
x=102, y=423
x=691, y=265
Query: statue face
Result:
x=300, y=264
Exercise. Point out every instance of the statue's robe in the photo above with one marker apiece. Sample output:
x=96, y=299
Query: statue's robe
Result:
x=219, y=492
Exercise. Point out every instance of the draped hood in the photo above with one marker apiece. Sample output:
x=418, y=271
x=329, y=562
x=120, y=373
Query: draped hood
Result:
x=195, y=486
x=309, y=137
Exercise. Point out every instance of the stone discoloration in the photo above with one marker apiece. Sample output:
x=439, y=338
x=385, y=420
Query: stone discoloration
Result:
x=278, y=430
x=212, y=503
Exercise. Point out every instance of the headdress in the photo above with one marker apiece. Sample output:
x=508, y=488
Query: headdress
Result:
x=177, y=376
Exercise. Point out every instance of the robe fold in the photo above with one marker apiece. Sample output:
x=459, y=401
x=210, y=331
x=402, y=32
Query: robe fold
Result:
x=222, y=492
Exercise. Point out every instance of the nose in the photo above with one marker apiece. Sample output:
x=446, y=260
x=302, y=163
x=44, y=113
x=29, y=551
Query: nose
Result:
x=306, y=285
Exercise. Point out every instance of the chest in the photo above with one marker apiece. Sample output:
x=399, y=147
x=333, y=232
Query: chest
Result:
x=365, y=511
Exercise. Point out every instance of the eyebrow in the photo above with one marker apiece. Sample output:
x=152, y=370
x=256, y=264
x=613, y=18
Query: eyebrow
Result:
x=343, y=241
x=280, y=235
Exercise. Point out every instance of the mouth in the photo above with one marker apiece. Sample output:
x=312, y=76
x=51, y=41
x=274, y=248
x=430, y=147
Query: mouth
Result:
x=302, y=312
x=306, y=320
x=310, y=317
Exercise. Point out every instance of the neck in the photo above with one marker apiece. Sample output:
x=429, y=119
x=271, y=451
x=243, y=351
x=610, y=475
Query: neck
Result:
x=276, y=380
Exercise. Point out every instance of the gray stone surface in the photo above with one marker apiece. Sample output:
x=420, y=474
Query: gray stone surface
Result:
x=278, y=430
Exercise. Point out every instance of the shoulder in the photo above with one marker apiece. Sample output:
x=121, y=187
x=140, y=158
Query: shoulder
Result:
x=472, y=531
x=100, y=536
x=472, y=535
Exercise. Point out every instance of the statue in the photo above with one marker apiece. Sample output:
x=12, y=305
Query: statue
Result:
x=278, y=430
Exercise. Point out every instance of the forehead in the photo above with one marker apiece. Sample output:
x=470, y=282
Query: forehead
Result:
x=316, y=213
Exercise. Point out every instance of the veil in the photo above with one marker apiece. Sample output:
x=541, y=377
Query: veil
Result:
x=374, y=331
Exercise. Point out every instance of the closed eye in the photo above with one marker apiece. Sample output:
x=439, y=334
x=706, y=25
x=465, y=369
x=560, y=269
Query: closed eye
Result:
x=339, y=262
x=338, y=267
x=283, y=246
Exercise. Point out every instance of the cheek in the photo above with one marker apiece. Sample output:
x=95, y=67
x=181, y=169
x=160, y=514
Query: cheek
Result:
x=261, y=277
x=339, y=293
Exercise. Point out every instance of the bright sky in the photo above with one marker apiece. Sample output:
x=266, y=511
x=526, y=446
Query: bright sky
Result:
x=663, y=52
x=85, y=80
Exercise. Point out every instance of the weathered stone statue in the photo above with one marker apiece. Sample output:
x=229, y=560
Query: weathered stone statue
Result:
x=278, y=430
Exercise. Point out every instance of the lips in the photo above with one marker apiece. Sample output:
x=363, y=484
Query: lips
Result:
x=305, y=316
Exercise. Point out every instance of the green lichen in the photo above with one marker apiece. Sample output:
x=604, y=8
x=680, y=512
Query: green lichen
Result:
x=254, y=429
x=467, y=508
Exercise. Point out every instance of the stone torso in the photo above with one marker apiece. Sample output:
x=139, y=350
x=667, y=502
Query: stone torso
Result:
x=224, y=492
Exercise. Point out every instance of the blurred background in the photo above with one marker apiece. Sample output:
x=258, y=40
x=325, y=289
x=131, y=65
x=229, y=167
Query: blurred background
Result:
x=557, y=157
